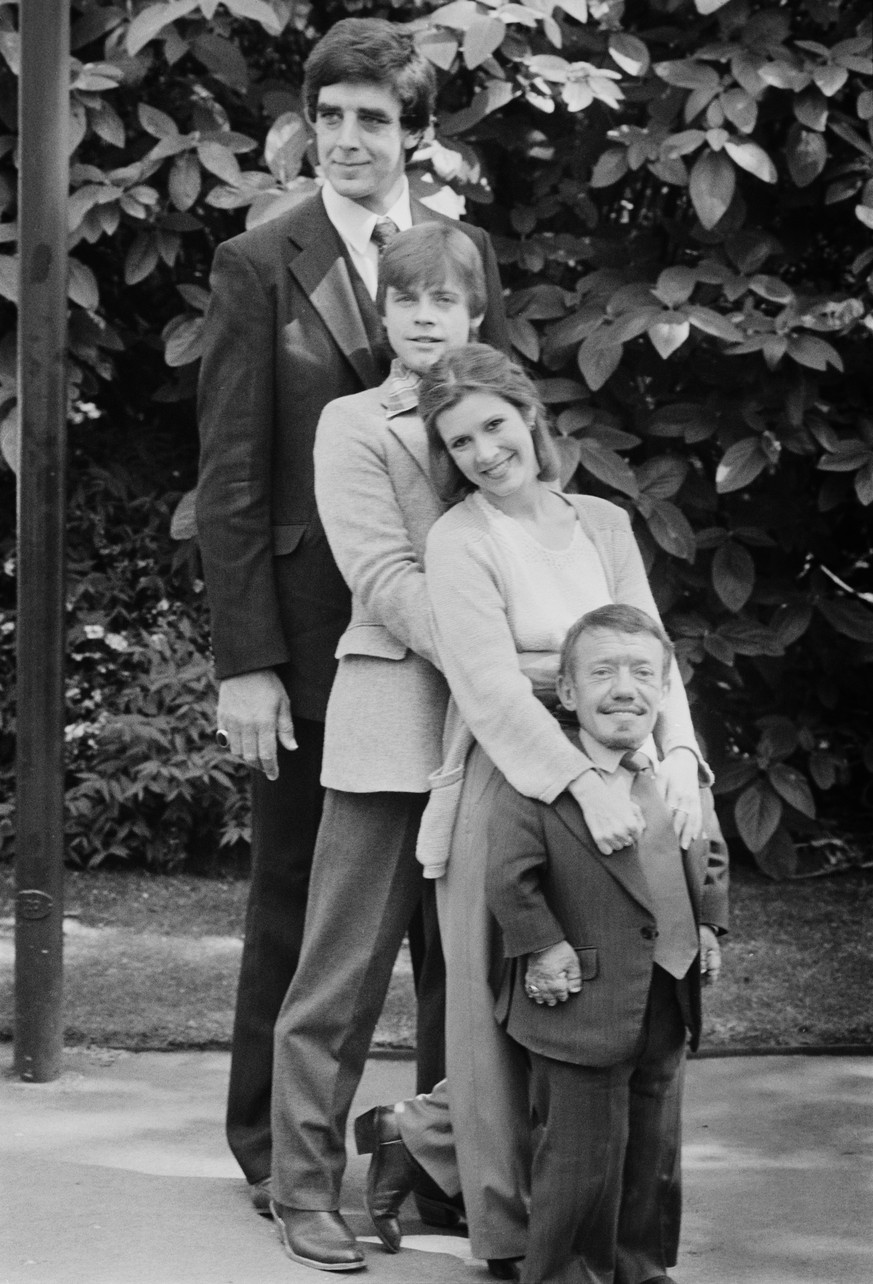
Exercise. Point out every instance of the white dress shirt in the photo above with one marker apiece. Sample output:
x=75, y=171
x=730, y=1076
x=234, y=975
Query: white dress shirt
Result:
x=355, y=224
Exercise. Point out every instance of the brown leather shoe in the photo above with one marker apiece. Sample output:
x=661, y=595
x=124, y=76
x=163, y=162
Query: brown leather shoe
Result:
x=393, y=1171
x=318, y=1239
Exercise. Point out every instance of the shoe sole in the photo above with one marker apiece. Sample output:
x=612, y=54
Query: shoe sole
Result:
x=310, y=1261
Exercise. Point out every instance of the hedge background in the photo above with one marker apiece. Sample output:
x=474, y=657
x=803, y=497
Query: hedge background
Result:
x=681, y=197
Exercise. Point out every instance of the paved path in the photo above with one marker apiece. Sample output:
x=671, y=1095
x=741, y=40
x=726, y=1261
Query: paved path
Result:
x=118, y=1174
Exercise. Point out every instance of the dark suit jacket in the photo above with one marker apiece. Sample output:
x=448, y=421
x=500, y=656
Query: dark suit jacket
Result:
x=285, y=334
x=547, y=882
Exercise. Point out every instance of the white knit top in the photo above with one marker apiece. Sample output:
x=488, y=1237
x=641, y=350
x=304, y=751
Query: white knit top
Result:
x=496, y=593
x=547, y=589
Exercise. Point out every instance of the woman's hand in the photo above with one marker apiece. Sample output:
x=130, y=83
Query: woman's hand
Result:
x=553, y=975
x=614, y=820
x=679, y=784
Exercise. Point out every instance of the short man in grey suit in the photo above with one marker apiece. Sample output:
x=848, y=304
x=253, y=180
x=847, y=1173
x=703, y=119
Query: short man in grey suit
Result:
x=377, y=500
x=291, y=324
x=605, y=956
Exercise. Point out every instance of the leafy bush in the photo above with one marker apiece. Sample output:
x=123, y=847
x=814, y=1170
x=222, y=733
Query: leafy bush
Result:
x=145, y=780
x=681, y=194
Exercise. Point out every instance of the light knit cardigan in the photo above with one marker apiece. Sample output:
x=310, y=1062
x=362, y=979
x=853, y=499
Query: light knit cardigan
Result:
x=493, y=699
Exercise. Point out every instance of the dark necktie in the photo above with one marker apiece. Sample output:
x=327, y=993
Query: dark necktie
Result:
x=678, y=939
x=384, y=230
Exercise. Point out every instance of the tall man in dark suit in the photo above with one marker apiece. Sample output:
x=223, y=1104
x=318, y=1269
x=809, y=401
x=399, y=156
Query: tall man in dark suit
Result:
x=291, y=325
x=605, y=956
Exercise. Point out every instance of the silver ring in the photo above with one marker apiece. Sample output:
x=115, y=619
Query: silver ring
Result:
x=222, y=739
x=683, y=810
x=532, y=989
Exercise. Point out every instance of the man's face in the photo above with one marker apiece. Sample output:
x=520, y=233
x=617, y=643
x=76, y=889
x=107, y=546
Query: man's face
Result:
x=423, y=325
x=616, y=686
x=361, y=143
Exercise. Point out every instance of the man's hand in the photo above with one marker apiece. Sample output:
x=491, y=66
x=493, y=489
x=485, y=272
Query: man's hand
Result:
x=678, y=781
x=710, y=955
x=553, y=975
x=253, y=709
x=614, y=820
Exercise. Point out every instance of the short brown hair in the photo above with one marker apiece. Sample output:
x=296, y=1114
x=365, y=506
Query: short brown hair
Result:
x=477, y=367
x=426, y=257
x=378, y=52
x=618, y=617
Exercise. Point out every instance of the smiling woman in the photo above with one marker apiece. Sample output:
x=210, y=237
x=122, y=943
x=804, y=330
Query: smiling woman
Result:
x=509, y=570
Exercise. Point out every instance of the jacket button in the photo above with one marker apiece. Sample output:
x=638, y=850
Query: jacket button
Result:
x=648, y=933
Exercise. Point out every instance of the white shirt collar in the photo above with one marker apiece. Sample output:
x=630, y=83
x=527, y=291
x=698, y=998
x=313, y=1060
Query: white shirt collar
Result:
x=608, y=760
x=355, y=223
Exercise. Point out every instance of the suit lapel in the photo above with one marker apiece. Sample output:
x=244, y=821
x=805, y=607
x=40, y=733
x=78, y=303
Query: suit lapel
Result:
x=424, y=214
x=323, y=275
x=409, y=431
x=623, y=866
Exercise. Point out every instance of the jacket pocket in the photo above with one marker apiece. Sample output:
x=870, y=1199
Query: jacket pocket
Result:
x=370, y=639
x=588, y=961
x=287, y=538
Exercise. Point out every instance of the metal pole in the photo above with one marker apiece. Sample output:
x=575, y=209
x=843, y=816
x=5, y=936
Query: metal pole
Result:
x=42, y=204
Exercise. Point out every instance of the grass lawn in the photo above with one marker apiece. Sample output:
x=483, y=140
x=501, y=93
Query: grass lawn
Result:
x=151, y=962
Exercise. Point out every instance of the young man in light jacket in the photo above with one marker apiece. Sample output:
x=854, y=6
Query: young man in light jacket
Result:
x=377, y=501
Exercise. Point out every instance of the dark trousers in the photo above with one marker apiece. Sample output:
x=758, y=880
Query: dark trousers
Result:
x=366, y=884
x=606, y=1189
x=285, y=819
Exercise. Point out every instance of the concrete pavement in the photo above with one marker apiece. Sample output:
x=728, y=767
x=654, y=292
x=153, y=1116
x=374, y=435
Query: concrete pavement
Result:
x=118, y=1174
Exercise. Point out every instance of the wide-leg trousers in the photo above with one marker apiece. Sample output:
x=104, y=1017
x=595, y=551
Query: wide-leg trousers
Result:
x=285, y=818
x=606, y=1188
x=484, y=1103
x=364, y=887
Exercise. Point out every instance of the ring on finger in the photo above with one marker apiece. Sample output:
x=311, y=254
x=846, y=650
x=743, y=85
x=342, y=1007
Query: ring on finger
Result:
x=222, y=739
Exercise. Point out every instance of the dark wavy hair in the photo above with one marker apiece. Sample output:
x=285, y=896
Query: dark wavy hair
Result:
x=378, y=52
x=477, y=367
x=618, y=617
x=426, y=257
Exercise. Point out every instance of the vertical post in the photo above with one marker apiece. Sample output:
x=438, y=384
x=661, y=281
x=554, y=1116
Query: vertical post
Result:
x=43, y=186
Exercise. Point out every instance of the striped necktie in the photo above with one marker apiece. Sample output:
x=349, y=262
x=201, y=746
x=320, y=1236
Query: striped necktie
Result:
x=678, y=940
x=384, y=230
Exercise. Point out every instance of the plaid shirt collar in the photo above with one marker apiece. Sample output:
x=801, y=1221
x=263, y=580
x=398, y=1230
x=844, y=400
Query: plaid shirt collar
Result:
x=401, y=393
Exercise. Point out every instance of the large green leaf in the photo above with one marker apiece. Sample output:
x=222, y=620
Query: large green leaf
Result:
x=671, y=530
x=711, y=185
x=740, y=465
x=757, y=813
x=152, y=21
x=807, y=154
x=733, y=574
x=598, y=360
x=607, y=466
x=852, y=619
x=481, y=39
x=792, y=786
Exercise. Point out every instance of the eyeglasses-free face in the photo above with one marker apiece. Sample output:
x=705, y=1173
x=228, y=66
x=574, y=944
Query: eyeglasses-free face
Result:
x=361, y=143
x=490, y=441
x=422, y=325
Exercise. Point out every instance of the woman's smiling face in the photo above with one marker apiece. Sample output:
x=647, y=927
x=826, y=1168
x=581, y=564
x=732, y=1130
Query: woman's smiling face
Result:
x=490, y=441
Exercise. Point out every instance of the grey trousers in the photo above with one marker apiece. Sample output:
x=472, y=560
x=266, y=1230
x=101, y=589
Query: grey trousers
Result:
x=486, y=1094
x=364, y=887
